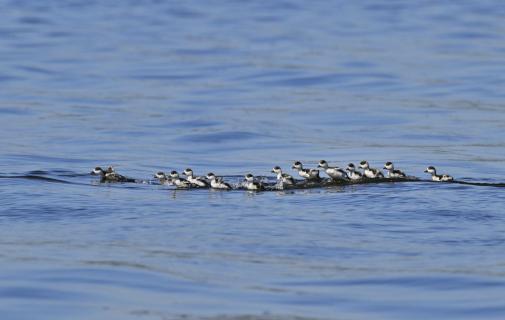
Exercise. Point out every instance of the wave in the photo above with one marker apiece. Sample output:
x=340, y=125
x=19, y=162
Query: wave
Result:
x=36, y=177
x=268, y=183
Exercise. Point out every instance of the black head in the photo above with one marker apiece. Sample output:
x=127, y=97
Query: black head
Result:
x=363, y=162
x=431, y=169
x=297, y=164
x=389, y=163
x=160, y=175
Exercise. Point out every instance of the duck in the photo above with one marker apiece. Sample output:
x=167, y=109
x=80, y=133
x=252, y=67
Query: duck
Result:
x=162, y=177
x=110, y=175
x=335, y=173
x=309, y=174
x=178, y=181
x=250, y=184
x=352, y=174
x=371, y=173
x=392, y=172
x=217, y=182
x=438, y=177
x=196, y=181
x=283, y=178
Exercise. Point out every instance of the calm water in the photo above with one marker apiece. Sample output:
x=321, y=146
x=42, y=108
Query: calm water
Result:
x=235, y=87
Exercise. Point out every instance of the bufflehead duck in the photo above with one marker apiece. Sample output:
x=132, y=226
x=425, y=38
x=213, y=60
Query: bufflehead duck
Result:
x=197, y=181
x=110, y=175
x=162, y=177
x=392, y=172
x=438, y=177
x=283, y=178
x=352, y=173
x=335, y=173
x=250, y=184
x=309, y=174
x=217, y=183
x=179, y=182
x=371, y=173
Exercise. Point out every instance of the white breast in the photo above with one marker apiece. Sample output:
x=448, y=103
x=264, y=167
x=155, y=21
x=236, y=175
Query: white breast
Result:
x=218, y=185
x=354, y=175
x=335, y=173
x=197, y=182
x=304, y=174
x=371, y=173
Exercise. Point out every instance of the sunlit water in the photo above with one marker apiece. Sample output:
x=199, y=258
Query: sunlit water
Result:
x=235, y=87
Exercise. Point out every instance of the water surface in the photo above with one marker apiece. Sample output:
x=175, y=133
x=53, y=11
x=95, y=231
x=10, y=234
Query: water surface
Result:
x=235, y=87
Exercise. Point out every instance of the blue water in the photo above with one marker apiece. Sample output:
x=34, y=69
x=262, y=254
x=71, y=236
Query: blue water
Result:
x=235, y=87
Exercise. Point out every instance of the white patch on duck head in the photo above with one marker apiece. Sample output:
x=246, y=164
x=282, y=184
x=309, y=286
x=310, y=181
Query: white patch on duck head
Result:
x=364, y=164
x=297, y=165
x=323, y=164
x=431, y=169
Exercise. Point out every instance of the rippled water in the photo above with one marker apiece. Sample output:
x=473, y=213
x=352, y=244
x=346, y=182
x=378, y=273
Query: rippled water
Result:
x=235, y=87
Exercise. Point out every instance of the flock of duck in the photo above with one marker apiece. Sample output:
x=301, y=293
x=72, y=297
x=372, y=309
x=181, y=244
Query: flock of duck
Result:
x=311, y=177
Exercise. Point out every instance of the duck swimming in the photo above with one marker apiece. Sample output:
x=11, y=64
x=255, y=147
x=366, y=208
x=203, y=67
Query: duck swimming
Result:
x=392, y=172
x=217, y=182
x=352, y=174
x=335, y=173
x=371, y=173
x=196, y=181
x=283, y=178
x=438, y=177
x=110, y=175
x=250, y=184
x=309, y=174
x=179, y=182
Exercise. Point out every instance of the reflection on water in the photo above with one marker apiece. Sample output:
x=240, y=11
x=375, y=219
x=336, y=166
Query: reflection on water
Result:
x=233, y=87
